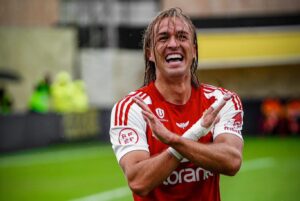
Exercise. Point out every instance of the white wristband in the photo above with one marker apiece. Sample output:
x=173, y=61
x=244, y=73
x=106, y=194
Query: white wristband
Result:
x=175, y=153
x=196, y=131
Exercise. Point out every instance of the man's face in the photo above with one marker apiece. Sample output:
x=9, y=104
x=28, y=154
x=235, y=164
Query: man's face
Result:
x=173, y=50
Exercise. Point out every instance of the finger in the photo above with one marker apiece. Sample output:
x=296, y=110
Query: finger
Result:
x=217, y=120
x=220, y=101
x=219, y=107
x=138, y=98
x=155, y=136
x=148, y=115
x=219, y=104
x=140, y=102
x=208, y=111
x=148, y=121
x=214, y=110
x=145, y=118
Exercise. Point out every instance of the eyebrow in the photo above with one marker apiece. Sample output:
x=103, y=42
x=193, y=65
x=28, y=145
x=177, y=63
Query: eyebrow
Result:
x=162, y=33
x=177, y=32
x=182, y=32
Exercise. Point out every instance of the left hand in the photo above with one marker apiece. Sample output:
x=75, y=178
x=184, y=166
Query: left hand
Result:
x=210, y=116
x=159, y=131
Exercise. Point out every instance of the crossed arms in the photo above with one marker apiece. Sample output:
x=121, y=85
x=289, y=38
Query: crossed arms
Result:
x=144, y=173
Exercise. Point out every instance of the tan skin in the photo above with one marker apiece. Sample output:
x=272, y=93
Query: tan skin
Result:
x=224, y=155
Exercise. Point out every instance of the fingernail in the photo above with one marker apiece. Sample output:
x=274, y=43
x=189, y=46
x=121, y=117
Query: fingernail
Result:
x=227, y=96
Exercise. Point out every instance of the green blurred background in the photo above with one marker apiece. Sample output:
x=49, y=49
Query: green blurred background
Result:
x=89, y=171
x=64, y=63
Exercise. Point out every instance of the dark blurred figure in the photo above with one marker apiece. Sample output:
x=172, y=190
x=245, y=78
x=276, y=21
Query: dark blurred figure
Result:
x=6, y=101
x=273, y=116
x=293, y=116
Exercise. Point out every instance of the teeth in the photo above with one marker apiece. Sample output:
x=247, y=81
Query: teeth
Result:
x=174, y=56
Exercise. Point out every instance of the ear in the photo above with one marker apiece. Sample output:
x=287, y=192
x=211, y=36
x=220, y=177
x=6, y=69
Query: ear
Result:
x=150, y=55
x=194, y=51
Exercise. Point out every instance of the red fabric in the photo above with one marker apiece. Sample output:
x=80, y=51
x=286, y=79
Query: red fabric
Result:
x=188, y=182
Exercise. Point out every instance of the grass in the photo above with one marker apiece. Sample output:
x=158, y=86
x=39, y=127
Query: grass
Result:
x=278, y=181
x=270, y=171
x=59, y=173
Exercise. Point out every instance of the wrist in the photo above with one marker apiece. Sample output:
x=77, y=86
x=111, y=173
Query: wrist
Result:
x=196, y=131
x=174, y=153
x=174, y=139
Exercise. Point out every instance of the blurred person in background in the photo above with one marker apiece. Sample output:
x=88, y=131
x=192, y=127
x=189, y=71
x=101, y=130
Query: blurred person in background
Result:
x=273, y=116
x=67, y=95
x=293, y=116
x=174, y=136
x=80, y=100
x=6, y=101
x=39, y=101
x=62, y=93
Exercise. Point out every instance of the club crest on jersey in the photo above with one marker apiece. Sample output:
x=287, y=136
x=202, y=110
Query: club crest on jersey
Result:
x=128, y=136
x=160, y=113
x=183, y=125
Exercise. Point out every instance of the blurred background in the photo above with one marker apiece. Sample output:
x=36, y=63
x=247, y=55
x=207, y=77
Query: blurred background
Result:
x=64, y=63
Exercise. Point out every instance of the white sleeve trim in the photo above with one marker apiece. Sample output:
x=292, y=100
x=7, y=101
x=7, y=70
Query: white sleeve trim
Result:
x=230, y=133
x=126, y=150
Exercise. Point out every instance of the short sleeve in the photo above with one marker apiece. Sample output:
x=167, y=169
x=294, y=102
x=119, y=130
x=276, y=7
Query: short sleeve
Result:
x=231, y=118
x=127, y=129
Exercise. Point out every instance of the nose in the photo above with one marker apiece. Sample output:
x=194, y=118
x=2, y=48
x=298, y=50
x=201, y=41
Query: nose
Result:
x=172, y=43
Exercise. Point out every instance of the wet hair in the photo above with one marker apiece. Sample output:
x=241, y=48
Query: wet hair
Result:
x=148, y=42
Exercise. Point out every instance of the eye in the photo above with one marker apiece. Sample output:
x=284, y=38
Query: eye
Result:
x=163, y=38
x=182, y=36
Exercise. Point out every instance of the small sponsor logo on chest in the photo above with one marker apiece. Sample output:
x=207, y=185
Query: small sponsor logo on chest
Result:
x=183, y=125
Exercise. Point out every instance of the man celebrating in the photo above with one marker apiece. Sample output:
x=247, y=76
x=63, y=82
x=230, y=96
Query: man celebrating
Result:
x=174, y=136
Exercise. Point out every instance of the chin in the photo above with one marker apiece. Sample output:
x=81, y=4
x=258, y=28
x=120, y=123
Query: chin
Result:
x=179, y=72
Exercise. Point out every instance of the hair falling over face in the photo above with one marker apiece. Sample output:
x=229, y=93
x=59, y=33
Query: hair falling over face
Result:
x=149, y=42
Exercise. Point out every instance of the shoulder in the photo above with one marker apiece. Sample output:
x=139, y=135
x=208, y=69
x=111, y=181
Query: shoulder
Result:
x=127, y=101
x=231, y=115
x=143, y=93
x=210, y=91
x=126, y=108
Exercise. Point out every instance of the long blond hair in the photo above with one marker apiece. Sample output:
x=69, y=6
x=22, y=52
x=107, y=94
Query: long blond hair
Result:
x=148, y=42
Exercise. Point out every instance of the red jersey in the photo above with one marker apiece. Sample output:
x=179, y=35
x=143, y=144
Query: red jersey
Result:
x=130, y=132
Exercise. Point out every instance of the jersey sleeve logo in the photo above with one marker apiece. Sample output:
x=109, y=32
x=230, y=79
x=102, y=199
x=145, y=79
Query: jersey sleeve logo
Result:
x=128, y=136
x=235, y=123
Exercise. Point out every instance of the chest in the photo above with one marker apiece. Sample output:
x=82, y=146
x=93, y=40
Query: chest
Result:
x=177, y=119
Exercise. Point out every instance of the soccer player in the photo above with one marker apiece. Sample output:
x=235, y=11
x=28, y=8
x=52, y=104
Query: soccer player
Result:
x=174, y=136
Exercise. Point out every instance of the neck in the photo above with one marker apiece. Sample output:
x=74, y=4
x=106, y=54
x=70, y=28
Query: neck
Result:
x=175, y=91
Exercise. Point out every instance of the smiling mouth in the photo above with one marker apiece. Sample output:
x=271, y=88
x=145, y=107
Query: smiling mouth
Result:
x=174, y=58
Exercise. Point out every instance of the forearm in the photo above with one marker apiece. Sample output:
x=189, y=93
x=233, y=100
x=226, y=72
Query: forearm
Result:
x=223, y=156
x=144, y=175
